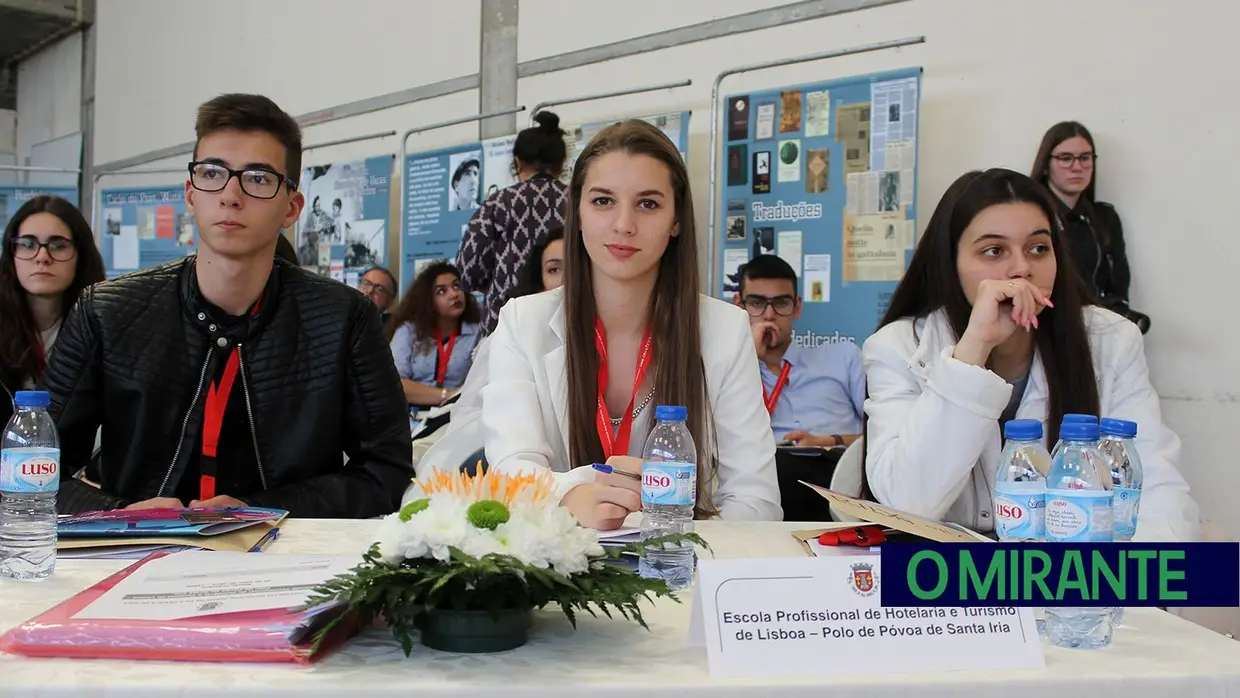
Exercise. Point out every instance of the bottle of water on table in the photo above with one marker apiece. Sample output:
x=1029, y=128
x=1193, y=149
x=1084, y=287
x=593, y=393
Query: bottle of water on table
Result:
x=1020, y=489
x=29, y=481
x=1118, y=446
x=1078, y=510
x=669, y=493
x=1072, y=419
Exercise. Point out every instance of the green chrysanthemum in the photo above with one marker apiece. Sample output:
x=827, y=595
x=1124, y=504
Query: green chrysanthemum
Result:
x=487, y=513
x=415, y=507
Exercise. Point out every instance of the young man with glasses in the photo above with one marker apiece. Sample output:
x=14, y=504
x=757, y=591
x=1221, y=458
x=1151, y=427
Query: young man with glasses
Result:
x=231, y=377
x=814, y=394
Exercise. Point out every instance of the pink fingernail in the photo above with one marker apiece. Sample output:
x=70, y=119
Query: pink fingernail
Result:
x=1035, y=323
x=1047, y=302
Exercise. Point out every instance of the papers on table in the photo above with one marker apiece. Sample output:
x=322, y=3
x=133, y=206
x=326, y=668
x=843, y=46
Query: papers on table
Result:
x=620, y=536
x=196, y=583
x=132, y=535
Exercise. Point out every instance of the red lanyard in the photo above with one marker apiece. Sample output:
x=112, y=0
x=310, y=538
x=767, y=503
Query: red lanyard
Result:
x=619, y=444
x=773, y=397
x=213, y=420
x=445, y=354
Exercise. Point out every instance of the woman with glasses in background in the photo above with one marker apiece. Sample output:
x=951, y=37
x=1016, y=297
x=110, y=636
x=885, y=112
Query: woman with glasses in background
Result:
x=49, y=256
x=1065, y=164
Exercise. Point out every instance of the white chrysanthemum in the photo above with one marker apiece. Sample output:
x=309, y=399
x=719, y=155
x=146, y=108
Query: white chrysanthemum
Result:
x=538, y=531
x=444, y=524
x=391, y=539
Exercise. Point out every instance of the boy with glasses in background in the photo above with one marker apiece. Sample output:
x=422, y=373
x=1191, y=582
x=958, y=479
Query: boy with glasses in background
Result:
x=232, y=378
x=814, y=394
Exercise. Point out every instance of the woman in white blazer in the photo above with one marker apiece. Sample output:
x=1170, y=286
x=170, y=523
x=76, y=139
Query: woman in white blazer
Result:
x=991, y=323
x=576, y=373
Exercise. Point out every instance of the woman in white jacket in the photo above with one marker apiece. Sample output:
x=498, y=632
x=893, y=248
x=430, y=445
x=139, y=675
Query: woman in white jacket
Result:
x=576, y=373
x=991, y=323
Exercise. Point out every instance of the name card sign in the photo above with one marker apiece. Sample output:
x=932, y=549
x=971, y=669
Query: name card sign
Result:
x=822, y=616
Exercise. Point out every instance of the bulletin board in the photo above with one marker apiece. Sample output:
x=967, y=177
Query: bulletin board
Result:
x=13, y=198
x=344, y=226
x=825, y=176
x=443, y=188
x=145, y=227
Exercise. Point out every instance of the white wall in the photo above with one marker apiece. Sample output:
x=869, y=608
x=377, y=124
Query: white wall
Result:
x=993, y=84
x=49, y=104
x=158, y=60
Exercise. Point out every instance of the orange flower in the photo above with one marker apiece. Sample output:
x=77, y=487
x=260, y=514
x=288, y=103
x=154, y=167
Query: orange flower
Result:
x=531, y=488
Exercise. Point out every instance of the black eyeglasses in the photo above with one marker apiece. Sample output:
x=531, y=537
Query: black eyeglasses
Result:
x=258, y=183
x=366, y=286
x=59, y=248
x=756, y=305
x=1066, y=159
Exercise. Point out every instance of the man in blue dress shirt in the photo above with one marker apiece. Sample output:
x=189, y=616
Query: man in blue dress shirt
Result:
x=815, y=394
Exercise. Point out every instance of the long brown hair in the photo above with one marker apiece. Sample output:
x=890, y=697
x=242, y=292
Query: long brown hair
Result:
x=19, y=337
x=679, y=374
x=1041, y=172
x=418, y=306
x=932, y=283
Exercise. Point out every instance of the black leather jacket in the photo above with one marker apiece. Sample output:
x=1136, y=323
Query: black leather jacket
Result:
x=135, y=356
x=1096, y=240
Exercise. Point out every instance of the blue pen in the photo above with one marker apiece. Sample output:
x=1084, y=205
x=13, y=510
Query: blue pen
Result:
x=604, y=468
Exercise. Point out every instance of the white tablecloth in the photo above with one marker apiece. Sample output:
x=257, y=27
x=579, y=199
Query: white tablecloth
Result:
x=1154, y=654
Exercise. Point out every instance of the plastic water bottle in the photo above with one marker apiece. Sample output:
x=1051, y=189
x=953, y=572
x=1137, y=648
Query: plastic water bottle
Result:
x=29, y=481
x=1020, y=487
x=1078, y=510
x=669, y=493
x=1118, y=446
x=1070, y=419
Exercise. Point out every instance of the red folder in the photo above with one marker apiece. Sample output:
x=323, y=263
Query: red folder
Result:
x=276, y=635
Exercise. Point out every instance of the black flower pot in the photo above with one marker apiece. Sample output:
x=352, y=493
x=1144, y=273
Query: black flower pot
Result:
x=475, y=631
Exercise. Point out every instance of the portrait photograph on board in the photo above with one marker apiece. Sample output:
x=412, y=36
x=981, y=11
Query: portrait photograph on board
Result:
x=466, y=180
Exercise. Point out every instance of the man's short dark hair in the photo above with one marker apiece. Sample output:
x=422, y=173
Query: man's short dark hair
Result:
x=252, y=113
x=383, y=270
x=767, y=266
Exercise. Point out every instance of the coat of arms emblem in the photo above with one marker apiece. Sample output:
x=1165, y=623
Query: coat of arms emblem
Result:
x=863, y=580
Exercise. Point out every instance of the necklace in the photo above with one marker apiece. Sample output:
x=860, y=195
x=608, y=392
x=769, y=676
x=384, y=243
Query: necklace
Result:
x=615, y=422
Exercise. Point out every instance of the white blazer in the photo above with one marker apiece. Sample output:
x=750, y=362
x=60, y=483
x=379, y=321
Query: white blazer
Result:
x=933, y=438
x=525, y=416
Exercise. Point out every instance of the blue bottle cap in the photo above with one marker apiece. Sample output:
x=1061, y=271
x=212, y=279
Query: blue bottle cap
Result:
x=671, y=413
x=32, y=398
x=1119, y=427
x=1078, y=431
x=1080, y=419
x=1023, y=430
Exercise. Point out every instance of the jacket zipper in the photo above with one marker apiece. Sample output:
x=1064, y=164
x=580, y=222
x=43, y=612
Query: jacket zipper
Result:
x=1093, y=234
x=176, y=455
x=249, y=411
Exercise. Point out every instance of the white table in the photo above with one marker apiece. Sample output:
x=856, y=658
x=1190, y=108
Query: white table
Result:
x=1154, y=654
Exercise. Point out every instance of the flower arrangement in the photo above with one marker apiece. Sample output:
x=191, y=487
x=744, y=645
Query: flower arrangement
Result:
x=468, y=563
